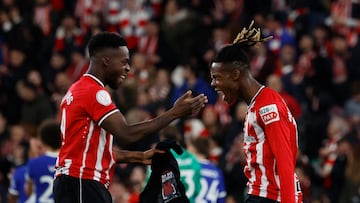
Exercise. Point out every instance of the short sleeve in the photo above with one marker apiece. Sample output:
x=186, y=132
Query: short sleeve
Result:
x=100, y=105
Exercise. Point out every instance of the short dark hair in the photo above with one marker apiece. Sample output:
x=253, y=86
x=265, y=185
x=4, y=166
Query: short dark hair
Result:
x=49, y=133
x=105, y=40
x=202, y=145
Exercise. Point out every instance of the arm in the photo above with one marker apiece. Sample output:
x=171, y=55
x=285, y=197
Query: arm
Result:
x=28, y=187
x=278, y=135
x=124, y=156
x=125, y=133
x=12, y=198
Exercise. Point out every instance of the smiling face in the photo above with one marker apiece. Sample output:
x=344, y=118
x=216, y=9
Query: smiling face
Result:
x=117, y=66
x=224, y=81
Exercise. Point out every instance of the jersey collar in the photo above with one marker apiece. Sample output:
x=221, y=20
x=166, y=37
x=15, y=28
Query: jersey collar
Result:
x=257, y=93
x=95, y=78
x=52, y=154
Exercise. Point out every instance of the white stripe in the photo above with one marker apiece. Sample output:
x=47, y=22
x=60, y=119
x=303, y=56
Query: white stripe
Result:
x=277, y=180
x=107, y=115
x=13, y=191
x=99, y=155
x=95, y=78
x=112, y=162
x=246, y=148
x=89, y=135
x=91, y=129
x=80, y=190
x=259, y=158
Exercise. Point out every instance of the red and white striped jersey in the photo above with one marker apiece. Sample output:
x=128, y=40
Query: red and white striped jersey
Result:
x=86, y=150
x=270, y=147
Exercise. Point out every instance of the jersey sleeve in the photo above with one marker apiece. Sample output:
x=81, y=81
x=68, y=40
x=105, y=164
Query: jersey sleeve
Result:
x=197, y=177
x=100, y=105
x=274, y=118
x=29, y=174
x=15, y=183
x=221, y=188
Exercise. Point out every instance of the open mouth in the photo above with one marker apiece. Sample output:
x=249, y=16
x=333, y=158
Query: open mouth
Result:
x=123, y=77
x=220, y=93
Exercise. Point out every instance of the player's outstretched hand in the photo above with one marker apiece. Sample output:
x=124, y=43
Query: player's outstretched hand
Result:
x=148, y=154
x=142, y=157
x=188, y=105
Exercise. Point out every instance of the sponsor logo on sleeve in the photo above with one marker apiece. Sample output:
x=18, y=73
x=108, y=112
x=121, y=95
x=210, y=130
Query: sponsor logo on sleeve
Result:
x=103, y=97
x=269, y=113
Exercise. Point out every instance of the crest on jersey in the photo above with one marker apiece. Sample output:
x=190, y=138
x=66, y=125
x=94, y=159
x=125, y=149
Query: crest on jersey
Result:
x=103, y=97
x=169, y=188
x=269, y=113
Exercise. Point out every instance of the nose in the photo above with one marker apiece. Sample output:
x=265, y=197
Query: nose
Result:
x=212, y=83
x=127, y=68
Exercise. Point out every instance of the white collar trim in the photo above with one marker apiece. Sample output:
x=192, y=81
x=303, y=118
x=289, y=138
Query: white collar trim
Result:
x=95, y=78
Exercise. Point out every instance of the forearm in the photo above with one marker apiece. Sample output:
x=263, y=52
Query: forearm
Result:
x=125, y=156
x=153, y=125
x=137, y=131
x=287, y=183
x=12, y=198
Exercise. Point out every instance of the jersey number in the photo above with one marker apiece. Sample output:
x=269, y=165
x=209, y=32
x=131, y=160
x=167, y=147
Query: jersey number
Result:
x=63, y=123
x=46, y=195
x=208, y=193
x=187, y=176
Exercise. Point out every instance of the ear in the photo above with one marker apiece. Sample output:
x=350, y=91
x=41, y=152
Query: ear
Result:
x=106, y=60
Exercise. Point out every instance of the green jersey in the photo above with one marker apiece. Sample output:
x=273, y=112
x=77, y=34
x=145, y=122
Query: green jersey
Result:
x=190, y=176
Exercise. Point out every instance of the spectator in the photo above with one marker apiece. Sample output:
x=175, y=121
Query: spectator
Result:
x=35, y=108
x=193, y=81
x=178, y=25
x=155, y=47
x=132, y=21
x=274, y=82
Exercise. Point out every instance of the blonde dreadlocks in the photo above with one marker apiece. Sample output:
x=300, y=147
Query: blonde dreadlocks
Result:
x=250, y=35
x=237, y=50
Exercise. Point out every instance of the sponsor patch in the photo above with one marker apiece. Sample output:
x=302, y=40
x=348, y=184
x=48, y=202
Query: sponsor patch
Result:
x=103, y=97
x=269, y=113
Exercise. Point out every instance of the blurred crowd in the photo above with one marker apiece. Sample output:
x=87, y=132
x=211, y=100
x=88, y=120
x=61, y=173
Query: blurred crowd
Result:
x=312, y=61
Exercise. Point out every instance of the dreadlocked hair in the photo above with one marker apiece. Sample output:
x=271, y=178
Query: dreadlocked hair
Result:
x=237, y=51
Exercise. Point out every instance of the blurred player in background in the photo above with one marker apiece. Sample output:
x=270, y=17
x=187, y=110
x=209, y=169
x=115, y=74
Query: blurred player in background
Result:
x=41, y=170
x=212, y=180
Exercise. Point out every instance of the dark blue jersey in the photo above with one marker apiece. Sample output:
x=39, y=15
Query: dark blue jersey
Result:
x=17, y=185
x=41, y=172
x=212, y=184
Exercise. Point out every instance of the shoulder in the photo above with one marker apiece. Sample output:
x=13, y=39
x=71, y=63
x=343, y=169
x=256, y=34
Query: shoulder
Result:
x=19, y=171
x=270, y=105
x=86, y=87
x=269, y=97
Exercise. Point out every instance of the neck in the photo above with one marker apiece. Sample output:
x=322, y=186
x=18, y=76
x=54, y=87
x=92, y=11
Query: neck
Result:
x=95, y=71
x=249, y=88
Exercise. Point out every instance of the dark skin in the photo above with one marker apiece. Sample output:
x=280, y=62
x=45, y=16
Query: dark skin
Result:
x=233, y=81
x=111, y=66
